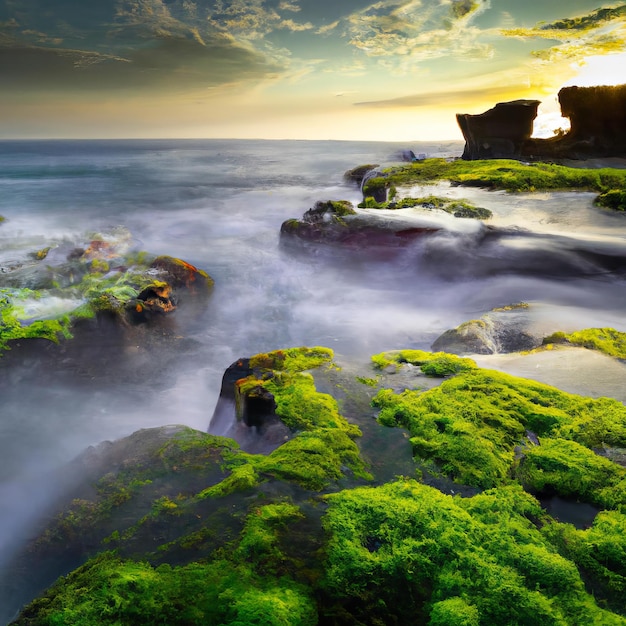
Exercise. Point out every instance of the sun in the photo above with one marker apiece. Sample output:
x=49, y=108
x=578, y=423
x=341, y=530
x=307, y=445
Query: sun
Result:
x=609, y=69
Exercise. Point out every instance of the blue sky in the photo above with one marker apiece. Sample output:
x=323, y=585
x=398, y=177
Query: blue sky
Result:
x=327, y=69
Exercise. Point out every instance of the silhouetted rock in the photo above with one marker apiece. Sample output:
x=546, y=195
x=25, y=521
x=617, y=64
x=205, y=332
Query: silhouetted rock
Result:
x=500, y=132
x=598, y=127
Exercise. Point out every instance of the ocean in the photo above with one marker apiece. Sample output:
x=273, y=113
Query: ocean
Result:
x=219, y=205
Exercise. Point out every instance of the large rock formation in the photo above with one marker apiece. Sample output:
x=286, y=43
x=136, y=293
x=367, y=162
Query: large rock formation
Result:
x=598, y=127
x=500, y=132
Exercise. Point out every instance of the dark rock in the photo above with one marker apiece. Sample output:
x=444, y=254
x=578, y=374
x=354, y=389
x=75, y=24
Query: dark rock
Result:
x=500, y=132
x=338, y=223
x=357, y=174
x=255, y=406
x=598, y=125
x=180, y=274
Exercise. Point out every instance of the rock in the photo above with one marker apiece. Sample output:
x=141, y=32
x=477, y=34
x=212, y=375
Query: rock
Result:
x=499, y=331
x=498, y=133
x=598, y=127
x=356, y=175
x=338, y=223
x=180, y=274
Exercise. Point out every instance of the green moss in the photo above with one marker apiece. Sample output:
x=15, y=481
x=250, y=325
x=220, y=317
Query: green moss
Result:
x=607, y=340
x=571, y=470
x=292, y=359
x=458, y=208
x=314, y=459
x=129, y=592
x=241, y=478
x=470, y=425
x=436, y=364
x=504, y=174
x=614, y=199
x=599, y=552
x=411, y=554
x=14, y=326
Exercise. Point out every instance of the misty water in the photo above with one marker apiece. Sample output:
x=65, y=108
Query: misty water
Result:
x=219, y=205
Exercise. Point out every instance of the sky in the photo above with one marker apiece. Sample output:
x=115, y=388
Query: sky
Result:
x=396, y=70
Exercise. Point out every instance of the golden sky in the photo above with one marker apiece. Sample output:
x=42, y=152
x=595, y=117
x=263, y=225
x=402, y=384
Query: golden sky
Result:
x=394, y=70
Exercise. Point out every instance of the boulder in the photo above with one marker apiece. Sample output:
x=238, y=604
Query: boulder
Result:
x=336, y=222
x=498, y=133
x=501, y=330
x=356, y=174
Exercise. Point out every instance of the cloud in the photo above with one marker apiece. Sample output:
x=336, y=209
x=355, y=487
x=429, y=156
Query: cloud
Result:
x=131, y=45
x=170, y=63
x=252, y=20
x=289, y=6
x=600, y=32
x=458, y=97
x=411, y=31
x=327, y=28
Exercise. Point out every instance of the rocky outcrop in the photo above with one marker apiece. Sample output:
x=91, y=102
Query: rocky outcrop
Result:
x=598, y=127
x=336, y=222
x=499, y=133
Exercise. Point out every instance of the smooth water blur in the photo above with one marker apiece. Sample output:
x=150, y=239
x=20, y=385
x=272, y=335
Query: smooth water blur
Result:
x=219, y=205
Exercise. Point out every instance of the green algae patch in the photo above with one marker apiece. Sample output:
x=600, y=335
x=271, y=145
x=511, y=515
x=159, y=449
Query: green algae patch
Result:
x=411, y=554
x=315, y=459
x=614, y=199
x=606, y=340
x=458, y=208
x=470, y=425
x=293, y=359
x=225, y=590
x=573, y=471
x=436, y=364
x=188, y=457
x=600, y=554
x=507, y=175
x=14, y=324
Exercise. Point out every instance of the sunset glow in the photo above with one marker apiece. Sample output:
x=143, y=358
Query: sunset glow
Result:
x=303, y=69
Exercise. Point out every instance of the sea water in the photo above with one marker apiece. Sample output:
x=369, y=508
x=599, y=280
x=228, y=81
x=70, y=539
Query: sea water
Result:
x=219, y=205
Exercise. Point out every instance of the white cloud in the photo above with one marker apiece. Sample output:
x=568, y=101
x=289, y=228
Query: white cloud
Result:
x=288, y=6
x=402, y=33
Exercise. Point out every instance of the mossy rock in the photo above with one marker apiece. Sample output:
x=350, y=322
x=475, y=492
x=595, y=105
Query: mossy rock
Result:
x=406, y=553
x=458, y=208
x=103, y=279
x=614, y=199
x=470, y=428
x=606, y=340
x=504, y=174
x=356, y=174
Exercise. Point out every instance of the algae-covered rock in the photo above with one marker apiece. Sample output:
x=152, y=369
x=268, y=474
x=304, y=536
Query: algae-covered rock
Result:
x=405, y=553
x=471, y=427
x=356, y=174
x=606, y=340
x=103, y=279
x=177, y=525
